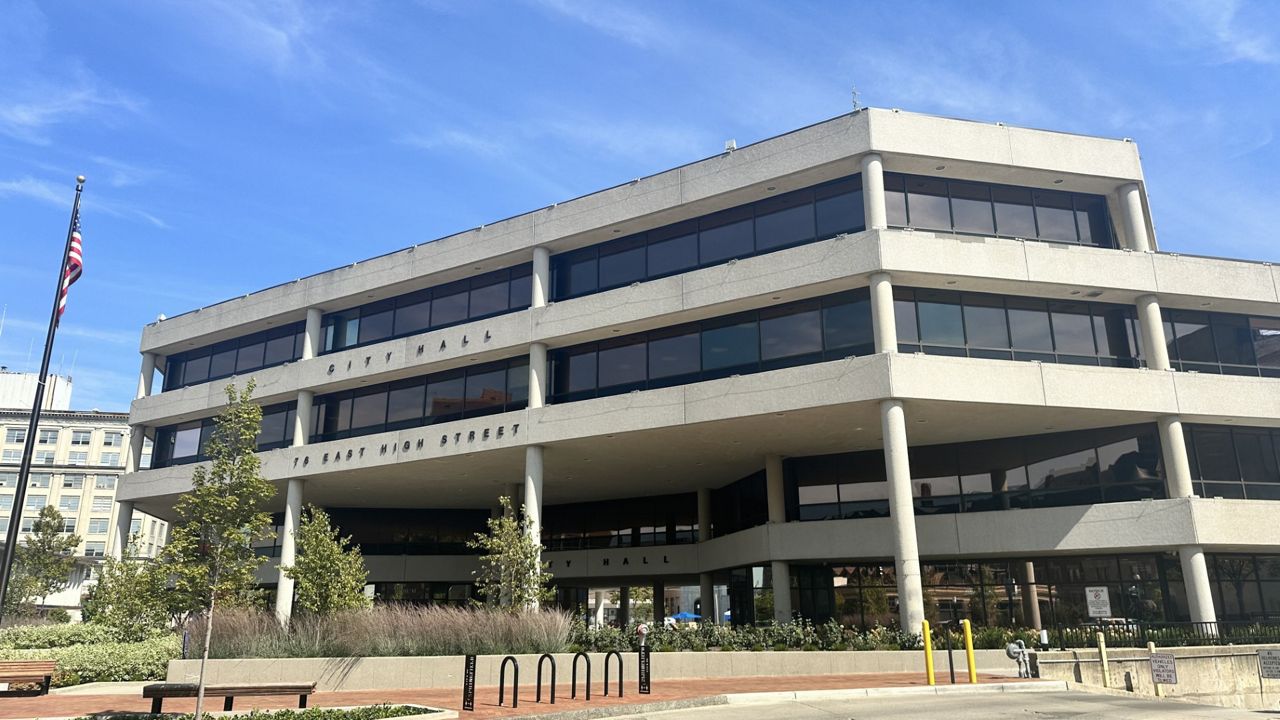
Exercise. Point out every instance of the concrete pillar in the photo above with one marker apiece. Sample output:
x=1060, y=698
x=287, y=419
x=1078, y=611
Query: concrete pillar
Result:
x=537, y=375
x=704, y=514
x=873, y=204
x=707, y=598
x=1154, y=346
x=292, y=520
x=902, y=515
x=541, y=277
x=599, y=609
x=884, y=326
x=775, y=491
x=1135, y=219
x=533, y=495
x=124, y=522
x=1030, y=596
x=302, y=418
x=1177, y=468
x=1195, y=574
x=781, y=591
x=624, y=607
x=312, y=337
x=137, y=439
x=146, y=374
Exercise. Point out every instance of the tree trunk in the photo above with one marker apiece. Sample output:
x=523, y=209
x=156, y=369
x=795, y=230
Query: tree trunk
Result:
x=204, y=656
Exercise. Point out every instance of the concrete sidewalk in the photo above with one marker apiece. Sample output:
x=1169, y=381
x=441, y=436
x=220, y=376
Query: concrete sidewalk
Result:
x=673, y=693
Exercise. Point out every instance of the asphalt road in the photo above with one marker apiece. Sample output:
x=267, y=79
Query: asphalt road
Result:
x=995, y=706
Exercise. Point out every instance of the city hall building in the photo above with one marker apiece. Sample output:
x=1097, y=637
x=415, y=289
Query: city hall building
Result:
x=885, y=367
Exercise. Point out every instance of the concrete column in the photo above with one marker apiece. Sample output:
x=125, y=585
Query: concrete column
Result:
x=1195, y=574
x=775, y=491
x=884, y=326
x=1154, y=346
x=624, y=607
x=312, y=337
x=302, y=418
x=1030, y=595
x=137, y=439
x=146, y=374
x=541, y=277
x=707, y=596
x=873, y=192
x=124, y=521
x=902, y=514
x=1177, y=468
x=599, y=608
x=1135, y=219
x=533, y=495
x=537, y=375
x=781, y=591
x=292, y=519
x=704, y=514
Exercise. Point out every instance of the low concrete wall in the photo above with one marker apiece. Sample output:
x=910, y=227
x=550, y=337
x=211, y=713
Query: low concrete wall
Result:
x=385, y=673
x=1225, y=676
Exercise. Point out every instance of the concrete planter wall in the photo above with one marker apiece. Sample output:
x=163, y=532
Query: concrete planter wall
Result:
x=384, y=673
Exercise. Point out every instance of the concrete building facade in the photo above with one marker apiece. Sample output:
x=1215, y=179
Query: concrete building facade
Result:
x=882, y=368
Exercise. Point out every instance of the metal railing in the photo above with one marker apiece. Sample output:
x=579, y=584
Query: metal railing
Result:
x=1164, y=634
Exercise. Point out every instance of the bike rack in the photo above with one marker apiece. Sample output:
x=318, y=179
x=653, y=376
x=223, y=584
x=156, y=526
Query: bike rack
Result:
x=573, y=681
x=612, y=653
x=538, y=697
x=515, y=681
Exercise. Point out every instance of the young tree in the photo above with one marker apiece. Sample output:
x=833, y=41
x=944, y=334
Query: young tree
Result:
x=329, y=571
x=129, y=597
x=46, y=557
x=510, y=576
x=210, y=557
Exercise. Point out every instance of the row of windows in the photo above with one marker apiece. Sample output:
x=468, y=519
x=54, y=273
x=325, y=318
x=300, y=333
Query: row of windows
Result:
x=1222, y=343
x=233, y=357
x=1246, y=587
x=66, y=482
x=634, y=522
x=49, y=436
x=1052, y=470
x=48, y=457
x=797, y=333
x=1001, y=210
x=67, y=503
x=186, y=443
x=1234, y=462
x=942, y=322
x=475, y=298
x=804, y=216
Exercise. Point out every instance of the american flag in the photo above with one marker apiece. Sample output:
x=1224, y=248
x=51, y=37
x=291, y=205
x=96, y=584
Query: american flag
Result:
x=75, y=265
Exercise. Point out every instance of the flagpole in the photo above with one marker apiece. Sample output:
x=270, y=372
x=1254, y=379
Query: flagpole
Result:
x=15, y=514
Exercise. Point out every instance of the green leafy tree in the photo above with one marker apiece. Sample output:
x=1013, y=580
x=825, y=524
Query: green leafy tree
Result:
x=46, y=557
x=511, y=574
x=210, y=557
x=130, y=597
x=329, y=571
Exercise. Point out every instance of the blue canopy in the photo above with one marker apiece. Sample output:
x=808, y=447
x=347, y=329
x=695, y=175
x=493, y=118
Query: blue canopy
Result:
x=686, y=616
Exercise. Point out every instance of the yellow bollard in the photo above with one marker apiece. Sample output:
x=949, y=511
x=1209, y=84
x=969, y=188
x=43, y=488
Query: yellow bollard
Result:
x=1102, y=656
x=928, y=651
x=968, y=651
x=1151, y=650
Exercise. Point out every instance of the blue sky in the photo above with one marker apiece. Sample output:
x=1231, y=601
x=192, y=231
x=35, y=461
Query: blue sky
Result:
x=231, y=146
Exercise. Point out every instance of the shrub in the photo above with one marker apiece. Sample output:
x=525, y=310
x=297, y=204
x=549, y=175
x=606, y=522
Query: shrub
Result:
x=55, y=636
x=105, y=661
x=58, y=616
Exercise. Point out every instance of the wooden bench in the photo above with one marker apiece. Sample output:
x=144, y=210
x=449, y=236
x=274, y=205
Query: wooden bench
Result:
x=34, y=671
x=157, y=692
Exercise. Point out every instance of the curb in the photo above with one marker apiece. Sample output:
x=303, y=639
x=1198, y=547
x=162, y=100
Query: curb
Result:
x=1018, y=687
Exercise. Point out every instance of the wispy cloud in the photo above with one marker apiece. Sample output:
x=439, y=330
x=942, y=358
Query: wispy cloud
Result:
x=613, y=19
x=122, y=174
x=1223, y=28
x=60, y=195
x=115, y=337
x=33, y=108
x=30, y=187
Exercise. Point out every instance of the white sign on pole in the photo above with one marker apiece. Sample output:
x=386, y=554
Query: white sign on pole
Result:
x=1269, y=664
x=1164, y=669
x=1098, y=599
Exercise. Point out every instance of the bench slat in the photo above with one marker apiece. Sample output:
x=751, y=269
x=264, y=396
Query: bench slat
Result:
x=175, y=690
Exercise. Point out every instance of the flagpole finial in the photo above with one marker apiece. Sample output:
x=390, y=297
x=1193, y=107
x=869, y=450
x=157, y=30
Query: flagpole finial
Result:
x=80, y=179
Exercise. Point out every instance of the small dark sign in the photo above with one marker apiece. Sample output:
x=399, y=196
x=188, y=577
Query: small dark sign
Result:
x=644, y=670
x=469, y=684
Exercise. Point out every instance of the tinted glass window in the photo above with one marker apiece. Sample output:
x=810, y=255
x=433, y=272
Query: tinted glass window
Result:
x=730, y=346
x=839, y=208
x=848, y=325
x=186, y=440
x=673, y=249
x=672, y=355
x=405, y=403
x=940, y=319
x=444, y=397
x=250, y=357
x=1029, y=325
x=895, y=199
x=521, y=288
x=413, y=314
x=1257, y=456
x=1015, y=216
x=376, y=323
x=725, y=235
x=904, y=316
x=1215, y=455
x=196, y=370
x=279, y=349
x=1111, y=331
x=927, y=205
x=579, y=274
x=1092, y=220
x=273, y=427
x=1266, y=341
x=578, y=373
x=795, y=331
x=971, y=208
x=1233, y=339
x=984, y=322
x=518, y=385
x=623, y=263
x=489, y=295
x=449, y=304
x=486, y=390
x=785, y=220
x=369, y=410
x=622, y=364
x=1072, y=329
x=223, y=362
x=1193, y=338
x=1055, y=216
